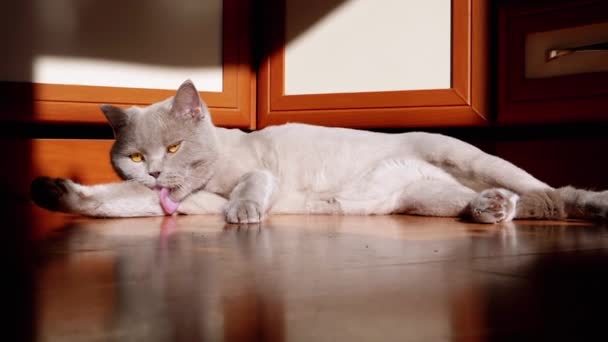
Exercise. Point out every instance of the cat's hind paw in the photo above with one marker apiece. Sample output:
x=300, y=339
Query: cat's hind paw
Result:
x=493, y=206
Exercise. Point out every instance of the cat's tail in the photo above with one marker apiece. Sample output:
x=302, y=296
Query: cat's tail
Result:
x=498, y=205
x=566, y=202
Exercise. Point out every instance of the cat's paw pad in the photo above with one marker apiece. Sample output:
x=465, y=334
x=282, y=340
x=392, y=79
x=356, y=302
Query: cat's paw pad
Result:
x=493, y=206
x=49, y=193
x=243, y=211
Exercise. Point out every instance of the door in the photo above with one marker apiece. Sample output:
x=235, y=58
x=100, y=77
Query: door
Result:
x=68, y=57
x=358, y=64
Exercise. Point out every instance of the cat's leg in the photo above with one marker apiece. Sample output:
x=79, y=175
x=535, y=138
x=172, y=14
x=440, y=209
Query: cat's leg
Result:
x=398, y=186
x=506, y=191
x=251, y=197
x=435, y=198
x=419, y=188
x=440, y=198
x=472, y=166
x=506, y=184
x=430, y=197
x=123, y=199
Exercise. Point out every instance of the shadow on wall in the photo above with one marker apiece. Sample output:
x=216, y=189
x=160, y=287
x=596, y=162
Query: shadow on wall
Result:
x=161, y=32
x=158, y=33
x=306, y=14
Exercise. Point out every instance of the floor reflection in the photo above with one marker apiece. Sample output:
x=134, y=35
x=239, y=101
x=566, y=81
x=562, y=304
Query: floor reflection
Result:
x=149, y=280
x=319, y=278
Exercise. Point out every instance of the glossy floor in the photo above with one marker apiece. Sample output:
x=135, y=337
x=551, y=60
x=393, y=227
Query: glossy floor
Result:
x=318, y=278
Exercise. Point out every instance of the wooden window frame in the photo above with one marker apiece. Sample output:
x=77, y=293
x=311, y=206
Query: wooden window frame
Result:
x=59, y=103
x=464, y=104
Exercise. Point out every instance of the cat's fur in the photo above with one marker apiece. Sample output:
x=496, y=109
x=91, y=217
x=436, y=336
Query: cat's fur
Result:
x=297, y=168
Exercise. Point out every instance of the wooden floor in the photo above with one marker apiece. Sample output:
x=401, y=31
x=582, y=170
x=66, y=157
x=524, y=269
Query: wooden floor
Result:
x=315, y=278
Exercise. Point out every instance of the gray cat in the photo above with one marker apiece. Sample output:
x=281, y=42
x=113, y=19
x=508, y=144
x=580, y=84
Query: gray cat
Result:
x=174, y=160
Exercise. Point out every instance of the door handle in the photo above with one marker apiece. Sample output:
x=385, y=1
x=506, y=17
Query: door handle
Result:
x=555, y=53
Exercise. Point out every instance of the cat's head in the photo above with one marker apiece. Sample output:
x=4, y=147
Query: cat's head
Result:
x=159, y=145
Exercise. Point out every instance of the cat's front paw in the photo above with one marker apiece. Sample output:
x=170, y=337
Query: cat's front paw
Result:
x=243, y=211
x=47, y=192
x=493, y=206
x=55, y=194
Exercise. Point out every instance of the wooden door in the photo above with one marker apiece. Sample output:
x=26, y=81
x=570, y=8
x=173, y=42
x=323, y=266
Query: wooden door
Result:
x=459, y=101
x=67, y=61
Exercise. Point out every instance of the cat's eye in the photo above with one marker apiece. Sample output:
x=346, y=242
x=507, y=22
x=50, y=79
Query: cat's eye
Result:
x=173, y=148
x=137, y=157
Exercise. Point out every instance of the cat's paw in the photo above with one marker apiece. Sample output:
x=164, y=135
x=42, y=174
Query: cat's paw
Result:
x=52, y=193
x=243, y=211
x=493, y=206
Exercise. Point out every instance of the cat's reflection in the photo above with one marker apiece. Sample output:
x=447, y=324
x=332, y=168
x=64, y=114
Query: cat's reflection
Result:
x=163, y=280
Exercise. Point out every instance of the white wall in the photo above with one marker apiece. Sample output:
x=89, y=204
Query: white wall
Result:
x=368, y=45
x=151, y=44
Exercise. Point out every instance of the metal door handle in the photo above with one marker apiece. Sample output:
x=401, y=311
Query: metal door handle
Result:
x=556, y=53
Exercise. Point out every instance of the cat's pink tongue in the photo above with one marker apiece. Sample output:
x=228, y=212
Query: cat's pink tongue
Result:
x=169, y=206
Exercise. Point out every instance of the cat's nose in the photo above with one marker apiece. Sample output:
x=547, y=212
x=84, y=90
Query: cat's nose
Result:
x=154, y=174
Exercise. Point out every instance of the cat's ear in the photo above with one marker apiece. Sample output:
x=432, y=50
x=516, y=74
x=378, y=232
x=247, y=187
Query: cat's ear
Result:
x=117, y=117
x=187, y=104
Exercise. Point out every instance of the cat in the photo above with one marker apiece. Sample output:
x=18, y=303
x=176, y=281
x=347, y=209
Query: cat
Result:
x=174, y=160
